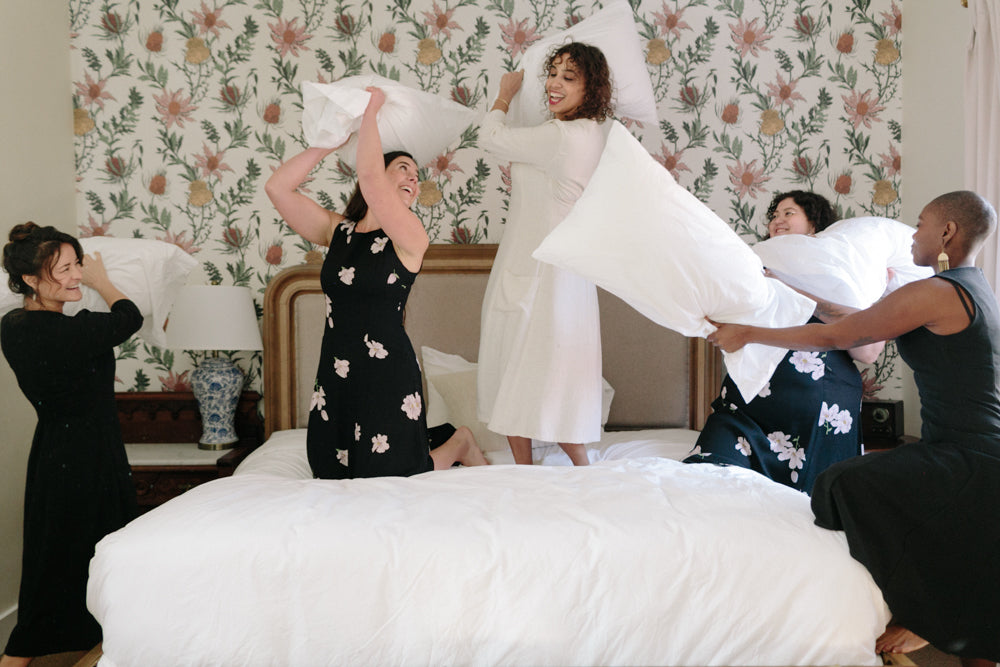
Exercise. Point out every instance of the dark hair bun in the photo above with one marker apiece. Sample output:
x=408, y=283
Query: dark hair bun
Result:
x=23, y=231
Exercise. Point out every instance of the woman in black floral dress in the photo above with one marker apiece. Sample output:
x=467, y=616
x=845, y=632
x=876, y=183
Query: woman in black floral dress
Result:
x=367, y=416
x=808, y=416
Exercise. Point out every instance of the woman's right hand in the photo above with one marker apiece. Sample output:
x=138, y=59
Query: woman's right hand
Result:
x=510, y=83
x=93, y=271
x=377, y=98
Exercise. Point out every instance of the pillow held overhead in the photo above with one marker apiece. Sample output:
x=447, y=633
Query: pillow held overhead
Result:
x=421, y=123
x=670, y=257
x=613, y=31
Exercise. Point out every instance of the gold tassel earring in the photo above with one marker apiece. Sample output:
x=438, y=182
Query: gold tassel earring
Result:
x=942, y=260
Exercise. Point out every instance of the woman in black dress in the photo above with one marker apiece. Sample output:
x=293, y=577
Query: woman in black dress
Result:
x=79, y=486
x=367, y=416
x=923, y=517
x=808, y=416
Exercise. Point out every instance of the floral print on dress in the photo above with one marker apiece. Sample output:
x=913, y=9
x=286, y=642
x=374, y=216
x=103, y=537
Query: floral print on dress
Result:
x=378, y=245
x=809, y=362
x=346, y=275
x=318, y=402
x=329, y=311
x=380, y=444
x=393, y=277
x=357, y=433
x=787, y=449
x=341, y=367
x=376, y=349
x=743, y=446
x=342, y=457
x=833, y=418
x=412, y=406
x=348, y=228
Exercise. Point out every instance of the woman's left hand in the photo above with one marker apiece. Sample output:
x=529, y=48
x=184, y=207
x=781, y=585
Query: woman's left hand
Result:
x=729, y=337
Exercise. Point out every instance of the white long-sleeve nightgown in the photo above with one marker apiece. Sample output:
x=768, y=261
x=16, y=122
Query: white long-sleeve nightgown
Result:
x=540, y=345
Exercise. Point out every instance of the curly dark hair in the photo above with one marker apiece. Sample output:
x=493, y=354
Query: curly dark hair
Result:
x=816, y=207
x=593, y=66
x=31, y=251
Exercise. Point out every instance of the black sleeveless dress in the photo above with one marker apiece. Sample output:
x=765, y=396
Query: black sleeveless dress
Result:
x=79, y=485
x=924, y=518
x=367, y=416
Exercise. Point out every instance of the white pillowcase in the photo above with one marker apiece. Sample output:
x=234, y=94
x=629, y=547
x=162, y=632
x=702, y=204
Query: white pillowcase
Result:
x=451, y=379
x=421, y=123
x=149, y=272
x=846, y=263
x=613, y=31
x=638, y=234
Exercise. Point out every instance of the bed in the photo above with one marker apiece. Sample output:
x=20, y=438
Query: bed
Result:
x=636, y=559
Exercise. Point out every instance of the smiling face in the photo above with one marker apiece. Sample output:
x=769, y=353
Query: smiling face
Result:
x=60, y=282
x=789, y=218
x=402, y=171
x=565, y=87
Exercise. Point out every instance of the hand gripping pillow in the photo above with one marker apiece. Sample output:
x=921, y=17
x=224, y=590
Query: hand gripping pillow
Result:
x=848, y=262
x=638, y=234
x=421, y=123
x=613, y=31
x=149, y=272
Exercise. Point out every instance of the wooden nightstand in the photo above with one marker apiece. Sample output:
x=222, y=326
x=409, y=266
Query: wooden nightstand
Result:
x=164, y=470
x=161, y=431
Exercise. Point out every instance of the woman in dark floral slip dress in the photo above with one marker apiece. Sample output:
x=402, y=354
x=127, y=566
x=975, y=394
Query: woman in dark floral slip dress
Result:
x=367, y=416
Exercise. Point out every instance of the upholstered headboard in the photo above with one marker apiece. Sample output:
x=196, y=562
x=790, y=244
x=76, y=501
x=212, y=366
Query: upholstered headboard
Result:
x=661, y=379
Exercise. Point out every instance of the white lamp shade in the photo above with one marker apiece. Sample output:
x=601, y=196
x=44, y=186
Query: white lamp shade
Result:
x=213, y=317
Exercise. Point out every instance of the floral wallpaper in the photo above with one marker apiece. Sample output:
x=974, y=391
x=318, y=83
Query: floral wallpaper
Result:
x=183, y=108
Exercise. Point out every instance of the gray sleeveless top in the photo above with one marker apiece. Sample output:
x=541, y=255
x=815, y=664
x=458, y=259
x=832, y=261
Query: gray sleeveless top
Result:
x=958, y=376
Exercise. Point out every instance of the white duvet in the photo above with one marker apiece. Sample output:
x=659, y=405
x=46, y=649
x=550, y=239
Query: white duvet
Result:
x=629, y=561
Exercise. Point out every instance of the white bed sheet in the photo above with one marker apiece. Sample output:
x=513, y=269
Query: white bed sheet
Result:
x=628, y=561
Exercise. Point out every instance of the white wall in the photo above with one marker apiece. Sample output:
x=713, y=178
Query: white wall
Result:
x=935, y=41
x=36, y=183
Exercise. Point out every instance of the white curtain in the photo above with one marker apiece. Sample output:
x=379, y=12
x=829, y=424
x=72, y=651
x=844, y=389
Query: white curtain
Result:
x=982, y=118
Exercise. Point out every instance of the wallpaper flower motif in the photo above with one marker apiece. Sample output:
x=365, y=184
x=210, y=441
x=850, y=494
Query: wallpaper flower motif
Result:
x=183, y=108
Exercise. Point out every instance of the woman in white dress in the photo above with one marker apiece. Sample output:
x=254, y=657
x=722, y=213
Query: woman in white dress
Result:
x=540, y=347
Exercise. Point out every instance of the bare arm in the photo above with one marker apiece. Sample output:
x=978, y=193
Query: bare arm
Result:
x=310, y=220
x=931, y=303
x=381, y=193
x=95, y=276
x=828, y=312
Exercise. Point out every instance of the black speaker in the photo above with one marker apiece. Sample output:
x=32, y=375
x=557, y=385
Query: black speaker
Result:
x=881, y=423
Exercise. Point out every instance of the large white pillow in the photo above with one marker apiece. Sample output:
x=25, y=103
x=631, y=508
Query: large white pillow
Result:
x=452, y=379
x=846, y=263
x=638, y=234
x=613, y=31
x=149, y=272
x=412, y=120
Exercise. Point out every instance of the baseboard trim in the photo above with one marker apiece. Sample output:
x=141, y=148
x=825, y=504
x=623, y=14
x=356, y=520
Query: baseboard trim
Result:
x=8, y=619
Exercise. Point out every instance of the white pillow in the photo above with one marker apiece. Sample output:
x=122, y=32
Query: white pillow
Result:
x=613, y=31
x=421, y=123
x=846, y=263
x=452, y=379
x=149, y=272
x=670, y=257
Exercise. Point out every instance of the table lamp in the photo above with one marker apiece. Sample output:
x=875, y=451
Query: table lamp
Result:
x=215, y=317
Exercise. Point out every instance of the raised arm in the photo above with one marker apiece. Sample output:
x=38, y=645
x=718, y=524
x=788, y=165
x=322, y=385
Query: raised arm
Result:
x=931, y=303
x=389, y=193
x=310, y=220
x=95, y=276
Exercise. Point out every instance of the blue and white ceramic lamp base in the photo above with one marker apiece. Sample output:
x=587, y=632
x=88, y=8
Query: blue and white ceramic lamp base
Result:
x=217, y=384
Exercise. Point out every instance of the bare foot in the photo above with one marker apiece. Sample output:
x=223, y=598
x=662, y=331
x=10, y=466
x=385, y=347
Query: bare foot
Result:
x=469, y=453
x=897, y=639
